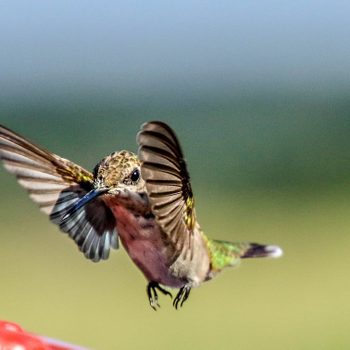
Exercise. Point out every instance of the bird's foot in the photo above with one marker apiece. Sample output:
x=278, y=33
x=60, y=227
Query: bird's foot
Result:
x=153, y=295
x=182, y=295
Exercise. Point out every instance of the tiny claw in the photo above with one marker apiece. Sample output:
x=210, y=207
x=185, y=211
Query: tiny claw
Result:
x=182, y=296
x=152, y=288
x=183, y=300
x=153, y=300
x=176, y=301
x=153, y=305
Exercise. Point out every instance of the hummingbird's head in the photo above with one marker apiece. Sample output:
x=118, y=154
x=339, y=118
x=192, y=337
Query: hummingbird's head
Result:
x=117, y=175
x=117, y=172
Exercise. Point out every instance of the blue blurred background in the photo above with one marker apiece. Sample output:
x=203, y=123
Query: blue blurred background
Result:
x=258, y=93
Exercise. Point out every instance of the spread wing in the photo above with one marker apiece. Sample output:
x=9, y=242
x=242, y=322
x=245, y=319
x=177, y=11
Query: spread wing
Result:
x=167, y=181
x=56, y=184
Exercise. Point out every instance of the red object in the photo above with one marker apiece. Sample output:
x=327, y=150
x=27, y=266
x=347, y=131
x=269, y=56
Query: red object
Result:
x=13, y=337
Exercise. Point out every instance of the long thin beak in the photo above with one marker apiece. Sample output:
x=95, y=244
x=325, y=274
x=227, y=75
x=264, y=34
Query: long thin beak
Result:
x=83, y=201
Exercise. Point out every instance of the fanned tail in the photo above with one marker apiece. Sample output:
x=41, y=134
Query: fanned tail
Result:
x=255, y=250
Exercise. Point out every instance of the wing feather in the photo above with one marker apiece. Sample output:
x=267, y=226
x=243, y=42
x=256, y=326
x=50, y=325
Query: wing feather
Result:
x=56, y=184
x=167, y=181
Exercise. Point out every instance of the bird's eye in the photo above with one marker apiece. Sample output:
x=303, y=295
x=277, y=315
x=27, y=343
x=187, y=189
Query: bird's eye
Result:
x=135, y=175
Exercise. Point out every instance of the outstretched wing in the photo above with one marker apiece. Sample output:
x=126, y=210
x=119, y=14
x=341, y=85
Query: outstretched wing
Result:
x=56, y=184
x=167, y=181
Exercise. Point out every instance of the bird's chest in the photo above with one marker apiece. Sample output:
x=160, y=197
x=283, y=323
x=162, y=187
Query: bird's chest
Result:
x=142, y=239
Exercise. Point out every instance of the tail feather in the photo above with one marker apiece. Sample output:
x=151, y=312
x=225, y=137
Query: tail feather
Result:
x=256, y=250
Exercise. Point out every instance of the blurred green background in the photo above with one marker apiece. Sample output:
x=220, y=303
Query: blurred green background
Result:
x=259, y=97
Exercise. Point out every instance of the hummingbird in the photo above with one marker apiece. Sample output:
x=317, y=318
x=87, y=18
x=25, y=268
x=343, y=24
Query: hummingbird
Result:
x=145, y=201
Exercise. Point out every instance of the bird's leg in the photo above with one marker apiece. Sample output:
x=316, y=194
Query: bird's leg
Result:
x=153, y=296
x=182, y=295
